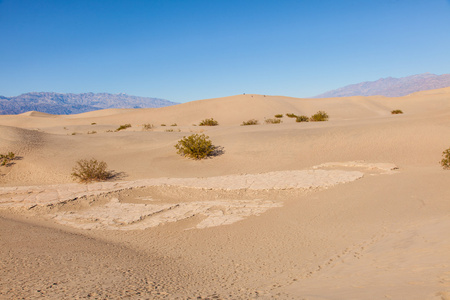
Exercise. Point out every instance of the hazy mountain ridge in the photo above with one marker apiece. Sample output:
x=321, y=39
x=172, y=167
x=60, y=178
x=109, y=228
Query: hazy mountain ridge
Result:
x=62, y=104
x=391, y=87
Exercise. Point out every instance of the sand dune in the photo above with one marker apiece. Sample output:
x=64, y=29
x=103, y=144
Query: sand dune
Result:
x=353, y=208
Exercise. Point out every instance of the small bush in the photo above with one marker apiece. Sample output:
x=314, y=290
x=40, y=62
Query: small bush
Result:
x=90, y=170
x=147, y=126
x=302, y=119
x=396, y=112
x=122, y=127
x=174, y=124
x=168, y=130
x=6, y=158
x=291, y=115
x=319, y=117
x=163, y=124
x=278, y=116
x=445, y=162
x=250, y=122
x=196, y=146
x=92, y=132
x=93, y=123
x=208, y=122
x=272, y=121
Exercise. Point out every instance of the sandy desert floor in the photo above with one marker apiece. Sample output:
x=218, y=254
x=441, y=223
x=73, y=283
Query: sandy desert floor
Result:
x=357, y=207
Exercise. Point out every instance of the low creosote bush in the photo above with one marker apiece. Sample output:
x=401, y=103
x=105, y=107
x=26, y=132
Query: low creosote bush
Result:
x=250, y=122
x=6, y=158
x=291, y=115
x=396, y=112
x=90, y=170
x=445, y=162
x=196, y=146
x=208, y=122
x=278, y=116
x=147, y=126
x=319, y=116
x=302, y=119
x=122, y=127
x=272, y=121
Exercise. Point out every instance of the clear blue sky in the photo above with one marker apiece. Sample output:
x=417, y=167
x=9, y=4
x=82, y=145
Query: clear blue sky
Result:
x=184, y=50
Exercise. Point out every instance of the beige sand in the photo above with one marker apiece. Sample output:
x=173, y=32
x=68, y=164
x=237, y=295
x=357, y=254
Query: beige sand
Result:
x=353, y=208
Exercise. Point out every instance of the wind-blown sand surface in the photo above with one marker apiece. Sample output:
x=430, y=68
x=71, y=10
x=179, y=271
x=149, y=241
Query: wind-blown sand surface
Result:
x=354, y=208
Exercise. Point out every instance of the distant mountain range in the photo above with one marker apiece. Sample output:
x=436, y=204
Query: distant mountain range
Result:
x=391, y=87
x=63, y=104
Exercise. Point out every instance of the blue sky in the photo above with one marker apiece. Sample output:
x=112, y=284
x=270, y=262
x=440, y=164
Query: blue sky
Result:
x=197, y=49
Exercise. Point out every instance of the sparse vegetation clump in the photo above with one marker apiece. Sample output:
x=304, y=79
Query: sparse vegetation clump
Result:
x=208, y=122
x=302, y=119
x=319, y=116
x=196, y=146
x=278, y=116
x=272, y=121
x=5, y=159
x=93, y=123
x=168, y=130
x=174, y=124
x=90, y=170
x=122, y=127
x=445, y=162
x=291, y=115
x=396, y=112
x=92, y=132
x=147, y=126
x=250, y=122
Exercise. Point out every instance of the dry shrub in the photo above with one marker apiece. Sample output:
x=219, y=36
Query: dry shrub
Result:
x=396, y=112
x=147, y=126
x=273, y=121
x=90, y=170
x=291, y=115
x=302, y=119
x=122, y=127
x=5, y=159
x=196, y=146
x=319, y=116
x=250, y=122
x=208, y=122
x=445, y=162
x=278, y=116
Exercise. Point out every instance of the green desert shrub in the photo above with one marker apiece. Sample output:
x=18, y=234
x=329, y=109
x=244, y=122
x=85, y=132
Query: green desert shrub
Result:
x=302, y=119
x=208, y=122
x=278, y=116
x=90, y=170
x=396, y=112
x=319, y=116
x=196, y=146
x=272, y=121
x=445, y=162
x=250, y=122
x=291, y=115
x=5, y=159
x=147, y=126
x=122, y=127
